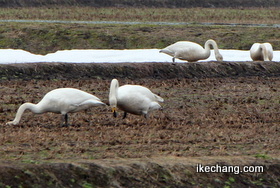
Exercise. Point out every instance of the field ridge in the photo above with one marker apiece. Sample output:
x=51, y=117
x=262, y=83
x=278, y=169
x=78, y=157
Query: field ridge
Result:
x=153, y=172
x=64, y=71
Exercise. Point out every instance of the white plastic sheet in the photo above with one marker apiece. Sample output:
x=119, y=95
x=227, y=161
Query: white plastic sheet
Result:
x=112, y=56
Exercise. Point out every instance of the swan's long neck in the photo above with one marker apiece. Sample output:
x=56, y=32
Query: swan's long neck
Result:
x=26, y=106
x=264, y=52
x=113, y=93
x=207, y=45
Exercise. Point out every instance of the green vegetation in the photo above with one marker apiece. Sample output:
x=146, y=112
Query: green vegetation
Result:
x=42, y=38
x=191, y=15
x=263, y=156
x=49, y=37
x=45, y=38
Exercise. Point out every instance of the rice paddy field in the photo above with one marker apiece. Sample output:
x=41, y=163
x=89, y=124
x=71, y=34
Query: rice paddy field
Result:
x=229, y=119
x=149, y=32
x=201, y=117
x=146, y=14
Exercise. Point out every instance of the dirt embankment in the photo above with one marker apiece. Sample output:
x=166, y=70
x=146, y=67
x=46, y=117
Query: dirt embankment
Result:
x=155, y=172
x=64, y=71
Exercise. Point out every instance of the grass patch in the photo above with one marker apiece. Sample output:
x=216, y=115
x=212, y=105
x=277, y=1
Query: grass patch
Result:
x=190, y=15
x=143, y=3
x=43, y=38
x=262, y=156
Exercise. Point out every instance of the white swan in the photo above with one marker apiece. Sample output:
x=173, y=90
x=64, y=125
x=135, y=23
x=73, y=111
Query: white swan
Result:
x=261, y=52
x=134, y=99
x=62, y=100
x=191, y=51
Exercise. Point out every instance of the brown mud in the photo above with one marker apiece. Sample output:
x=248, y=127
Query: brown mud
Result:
x=215, y=113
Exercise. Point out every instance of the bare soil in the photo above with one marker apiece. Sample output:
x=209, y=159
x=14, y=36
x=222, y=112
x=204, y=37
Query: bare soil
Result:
x=224, y=113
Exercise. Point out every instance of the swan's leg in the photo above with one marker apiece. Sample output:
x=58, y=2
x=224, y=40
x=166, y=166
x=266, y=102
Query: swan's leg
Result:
x=146, y=116
x=115, y=114
x=173, y=59
x=124, y=115
x=64, y=118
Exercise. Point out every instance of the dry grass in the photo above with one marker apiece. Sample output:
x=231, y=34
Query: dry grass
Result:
x=191, y=15
x=143, y=3
x=201, y=117
x=43, y=38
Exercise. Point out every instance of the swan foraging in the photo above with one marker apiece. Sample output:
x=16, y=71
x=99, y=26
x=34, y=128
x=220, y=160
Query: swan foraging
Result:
x=62, y=100
x=190, y=51
x=134, y=99
x=261, y=52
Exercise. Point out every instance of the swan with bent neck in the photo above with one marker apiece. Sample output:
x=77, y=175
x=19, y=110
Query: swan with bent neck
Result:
x=63, y=101
x=190, y=51
x=134, y=99
x=261, y=52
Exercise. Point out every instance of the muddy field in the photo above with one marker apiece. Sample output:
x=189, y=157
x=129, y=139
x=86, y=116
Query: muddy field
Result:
x=203, y=117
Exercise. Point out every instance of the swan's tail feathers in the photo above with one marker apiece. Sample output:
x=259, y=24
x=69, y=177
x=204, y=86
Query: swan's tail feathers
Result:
x=90, y=102
x=158, y=98
x=166, y=51
x=99, y=103
x=153, y=106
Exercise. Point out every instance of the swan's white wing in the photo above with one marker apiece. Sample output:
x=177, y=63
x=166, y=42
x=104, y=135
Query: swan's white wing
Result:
x=84, y=105
x=70, y=95
x=256, y=51
x=158, y=98
x=64, y=100
x=255, y=47
x=136, y=92
x=269, y=49
x=185, y=50
x=154, y=106
x=136, y=99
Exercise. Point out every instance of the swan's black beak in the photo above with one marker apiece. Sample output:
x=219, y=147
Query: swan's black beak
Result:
x=114, y=112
